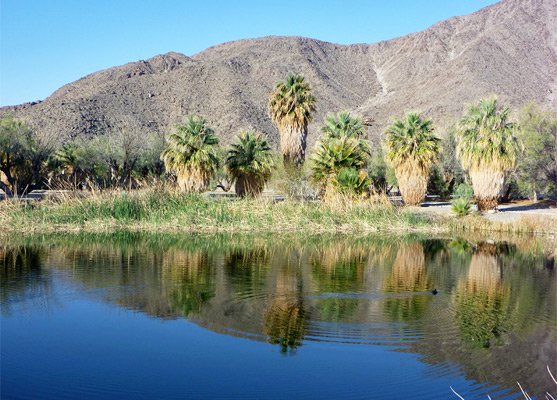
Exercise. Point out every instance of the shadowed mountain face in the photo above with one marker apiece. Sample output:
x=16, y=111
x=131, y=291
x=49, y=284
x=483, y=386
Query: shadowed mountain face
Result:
x=509, y=49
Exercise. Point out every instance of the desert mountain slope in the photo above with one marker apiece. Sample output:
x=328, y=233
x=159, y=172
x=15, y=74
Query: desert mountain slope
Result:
x=509, y=49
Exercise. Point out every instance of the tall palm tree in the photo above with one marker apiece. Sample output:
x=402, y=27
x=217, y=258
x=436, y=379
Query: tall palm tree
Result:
x=343, y=124
x=249, y=163
x=488, y=148
x=192, y=154
x=291, y=106
x=412, y=150
x=332, y=155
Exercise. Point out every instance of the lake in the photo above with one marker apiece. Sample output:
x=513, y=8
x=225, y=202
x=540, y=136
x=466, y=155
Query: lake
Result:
x=236, y=317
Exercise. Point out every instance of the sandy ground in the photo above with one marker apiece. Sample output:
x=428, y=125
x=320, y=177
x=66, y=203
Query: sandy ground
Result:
x=508, y=212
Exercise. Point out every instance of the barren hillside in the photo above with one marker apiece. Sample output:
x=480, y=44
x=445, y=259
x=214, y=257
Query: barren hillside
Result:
x=509, y=49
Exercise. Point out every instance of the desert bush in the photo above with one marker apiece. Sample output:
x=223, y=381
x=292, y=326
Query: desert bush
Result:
x=463, y=191
x=448, y=172
x=23, y=155
x=537, y=170
x=381, y=175
x=460, y=206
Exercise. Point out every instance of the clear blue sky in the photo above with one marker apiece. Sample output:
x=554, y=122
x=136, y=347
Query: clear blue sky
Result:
x=45, y=44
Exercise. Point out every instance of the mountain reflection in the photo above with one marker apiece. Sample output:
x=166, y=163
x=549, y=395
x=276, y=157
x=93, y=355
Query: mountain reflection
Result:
x=496, y=303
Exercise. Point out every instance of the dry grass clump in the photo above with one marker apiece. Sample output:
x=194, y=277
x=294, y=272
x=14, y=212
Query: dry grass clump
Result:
x=525, y=225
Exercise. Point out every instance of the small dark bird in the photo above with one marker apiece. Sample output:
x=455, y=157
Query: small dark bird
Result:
x=434, y=291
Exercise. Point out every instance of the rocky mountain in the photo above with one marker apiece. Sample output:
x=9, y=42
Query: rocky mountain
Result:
x=508, y=49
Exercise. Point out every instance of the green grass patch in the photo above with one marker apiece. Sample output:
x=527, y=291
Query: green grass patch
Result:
x=164, y=210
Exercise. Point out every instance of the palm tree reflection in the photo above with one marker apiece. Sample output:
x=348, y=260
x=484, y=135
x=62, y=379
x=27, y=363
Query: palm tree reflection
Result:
x=408, y=276
x=483, y=303
x=339, y=269
x=284, y=319
x=191, y=279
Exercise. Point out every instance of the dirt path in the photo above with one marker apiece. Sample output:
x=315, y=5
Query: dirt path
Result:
x=508, y=212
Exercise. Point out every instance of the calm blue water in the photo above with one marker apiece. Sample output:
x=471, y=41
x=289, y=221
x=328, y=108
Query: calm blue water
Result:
x=331, y=319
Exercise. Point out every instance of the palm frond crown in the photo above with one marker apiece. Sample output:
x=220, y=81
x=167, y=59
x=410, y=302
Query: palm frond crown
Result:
x=333, y=155
x=249, y=163
x=291, y=103
x=342, y=124
x=486, y=138
x=250, y=155
x=412, y=142
x=192, y=146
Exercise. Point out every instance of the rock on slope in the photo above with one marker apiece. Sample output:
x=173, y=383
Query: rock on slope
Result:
x=509, y=49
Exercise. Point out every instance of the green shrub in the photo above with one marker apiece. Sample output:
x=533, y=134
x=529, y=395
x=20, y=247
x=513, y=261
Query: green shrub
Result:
x=463, y=191
x=350, y=181
x=461, y=206
x=438, y=184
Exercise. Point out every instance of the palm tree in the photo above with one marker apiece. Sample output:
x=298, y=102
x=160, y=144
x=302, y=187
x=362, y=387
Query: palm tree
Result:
x=412, y=150
x=249, y=163
x=290, y=107
x=488, y=148
x=192, y=154
x=332, y=155
x=343, y=124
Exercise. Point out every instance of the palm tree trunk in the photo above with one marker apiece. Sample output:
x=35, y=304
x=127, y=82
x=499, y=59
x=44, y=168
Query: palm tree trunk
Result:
x=293, y=143
x=412, y=185
x=488, y=184
x=193, y=181
x=247, y=185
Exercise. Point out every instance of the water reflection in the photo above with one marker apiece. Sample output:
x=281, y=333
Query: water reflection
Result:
x=22, y=278
x=496, y=303
x=284, y=319
x=190, y=279
x=484, y=309
x=408, y=275
x=338, y=270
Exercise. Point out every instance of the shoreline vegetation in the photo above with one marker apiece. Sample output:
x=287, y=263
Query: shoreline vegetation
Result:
x=342, y=187
x=166, y=210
